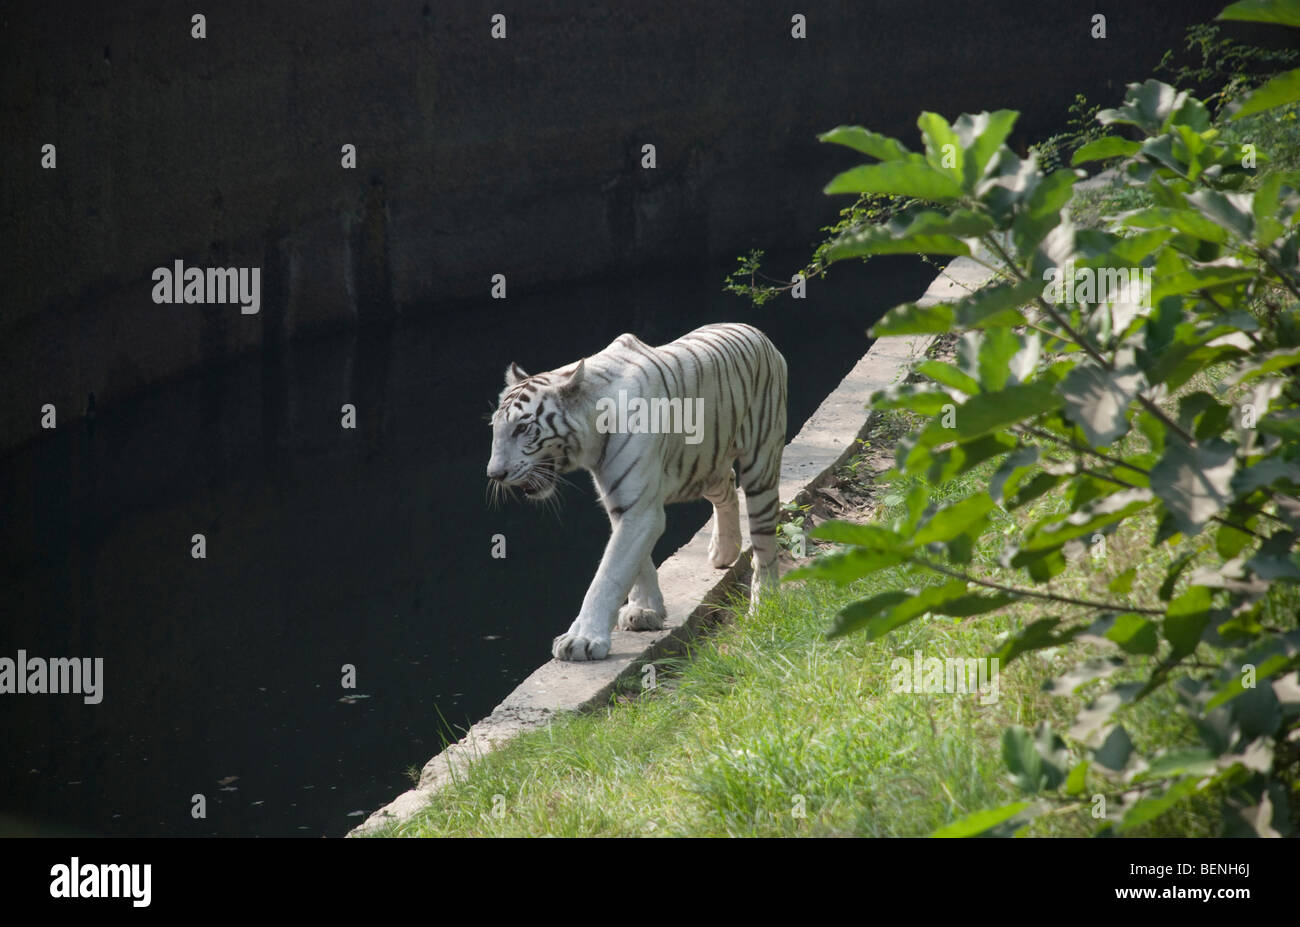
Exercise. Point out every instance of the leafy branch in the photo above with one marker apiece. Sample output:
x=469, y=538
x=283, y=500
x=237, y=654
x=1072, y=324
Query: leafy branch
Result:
x=1050, y=386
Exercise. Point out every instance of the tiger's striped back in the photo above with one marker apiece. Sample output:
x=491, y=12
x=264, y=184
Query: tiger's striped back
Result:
x=734, y=381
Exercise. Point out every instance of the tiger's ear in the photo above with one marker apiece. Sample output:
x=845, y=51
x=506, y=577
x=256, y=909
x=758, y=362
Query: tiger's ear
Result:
x=515, y=375
x=573, y=385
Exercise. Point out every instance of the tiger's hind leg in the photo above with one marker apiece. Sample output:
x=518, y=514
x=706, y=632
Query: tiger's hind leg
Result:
x=761, y=478
x=645, y=609
x=724, y=544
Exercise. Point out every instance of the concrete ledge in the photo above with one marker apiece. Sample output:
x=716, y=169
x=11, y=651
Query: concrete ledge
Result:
x=692, y=588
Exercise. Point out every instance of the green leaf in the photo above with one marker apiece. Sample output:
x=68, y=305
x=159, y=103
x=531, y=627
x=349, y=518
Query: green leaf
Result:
x=1042, y=210
x=990, y=306
x=915, y=397
x=880, y=614
x=1080, y=675
x=1191, y=113
x=1194, y=483
x=963, y=223
x=1151, y=807
x=948, y=375
x=1265, y=473
x=996, y=305
x=844, y=566
x=1198, y=278
x=1133, y=634
x=1202, y=414
x=1115, y=750
x=1045, y=565
x=981, y=136
x=1232, y=211
x=915, y=502
x=1090, y=721
x=981, y=821
x=926, y=232
x=992, y=350
x=1274, y=560
x=1272, y=216
x=993, y=411
x=1038, y=635
x=915, y=319
x=1021, y=758
x=1122, y=583
x=1131, y=251
x=1281, y=12
x=1053, y=531
x=1171, y=575
x=1182, y=220
x=1228, y=541
x=938, y=135
x=1258, y=810
x=1098, y=400
x=952, y=520
x=855, y=615
x=880, y=147
x=1077, y=780
x=1017, y=466
x=1285, y=425
x=1186, y=618
x=910, y=177
x=1198, y=151
x=1148, y=105
x=1009, y=181
x=1187, y=761
x=1188, y=354
x=1258, y=712
x=873, y=537
x=962, y=457
x=1024, y=761
x=1235, y=686
x=1261, y=365
x=1111, y=146
x=1038, y=484
x=1161, y=150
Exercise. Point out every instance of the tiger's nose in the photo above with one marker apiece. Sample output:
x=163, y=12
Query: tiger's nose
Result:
x=496, y=471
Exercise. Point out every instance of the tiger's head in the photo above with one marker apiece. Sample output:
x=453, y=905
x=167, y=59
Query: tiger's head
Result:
x=537, y=430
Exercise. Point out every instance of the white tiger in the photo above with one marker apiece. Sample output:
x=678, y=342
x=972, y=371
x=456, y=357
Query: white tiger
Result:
x=553, y=423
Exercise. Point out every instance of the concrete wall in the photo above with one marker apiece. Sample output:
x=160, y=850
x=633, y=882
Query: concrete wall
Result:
x=475, y=156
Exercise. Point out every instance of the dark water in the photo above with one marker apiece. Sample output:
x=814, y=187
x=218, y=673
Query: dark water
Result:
x=325, y=547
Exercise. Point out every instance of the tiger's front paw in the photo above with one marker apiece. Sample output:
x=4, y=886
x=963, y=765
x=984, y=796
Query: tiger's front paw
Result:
x=638, y=618
x=575, y=648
